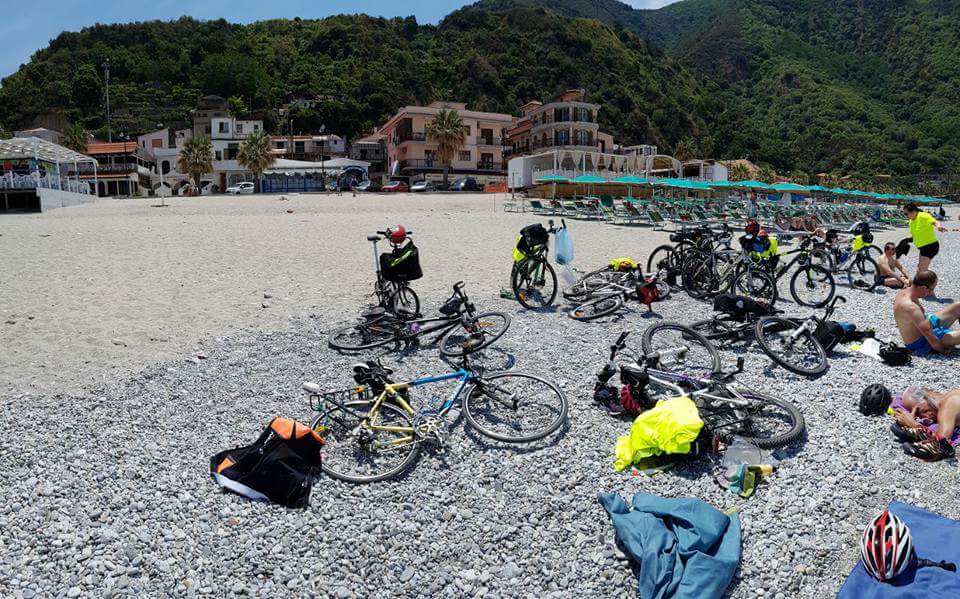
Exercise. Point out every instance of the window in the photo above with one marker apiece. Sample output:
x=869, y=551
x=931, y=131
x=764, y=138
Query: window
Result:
x=239, y=128
x=224, y=127
x=232, y=151
x=464, y=156
x=428, y=157
x=206, y=129
x=156, y=143
x=468, y=130
x=216, y=155
x=165, y=167
x=298, y=147
x=486, y=159
x=256, y=127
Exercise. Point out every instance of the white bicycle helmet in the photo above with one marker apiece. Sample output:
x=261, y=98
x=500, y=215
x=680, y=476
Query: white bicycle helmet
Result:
x=886, y=547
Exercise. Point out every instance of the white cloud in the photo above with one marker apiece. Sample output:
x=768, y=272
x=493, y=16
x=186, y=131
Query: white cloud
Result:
x=649, y=3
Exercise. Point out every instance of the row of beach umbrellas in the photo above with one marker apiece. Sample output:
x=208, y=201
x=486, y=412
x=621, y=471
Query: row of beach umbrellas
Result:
x=687, y=184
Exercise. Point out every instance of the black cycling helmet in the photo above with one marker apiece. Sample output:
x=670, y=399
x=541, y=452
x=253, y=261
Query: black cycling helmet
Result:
x=875, y=400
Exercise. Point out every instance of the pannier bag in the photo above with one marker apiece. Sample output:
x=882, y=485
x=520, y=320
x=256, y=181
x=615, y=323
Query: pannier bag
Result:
x=532, y=236
x=402, y=264
x=830, y=332
x=648, y=291
x=739, y=306
x=279, y=466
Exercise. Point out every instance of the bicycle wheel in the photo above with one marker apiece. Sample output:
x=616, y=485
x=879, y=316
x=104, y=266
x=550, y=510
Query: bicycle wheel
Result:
x=700, y=278
x=756, y=284
x=534, y=283
x=405, y=301
x=812, y=286
x=682, y=350
x=768, y=423
x=822, y=258
x=802, y=354
x=720, y=329
x=481, y=331
x=862, y=273
x=597, y=307
x=663, y=257
x=515, y=407
x=365, y=335
x=355, y=452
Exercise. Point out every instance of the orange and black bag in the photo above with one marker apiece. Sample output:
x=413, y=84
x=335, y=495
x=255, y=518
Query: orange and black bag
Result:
x=279, y=466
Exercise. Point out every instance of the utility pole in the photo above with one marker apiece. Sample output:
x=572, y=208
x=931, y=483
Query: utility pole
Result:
x=106, y=76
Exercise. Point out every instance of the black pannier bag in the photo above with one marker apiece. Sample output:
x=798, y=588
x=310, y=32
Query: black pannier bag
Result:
x=739, y=306
x=532, y=236
x=279, y=466
x=402, y=264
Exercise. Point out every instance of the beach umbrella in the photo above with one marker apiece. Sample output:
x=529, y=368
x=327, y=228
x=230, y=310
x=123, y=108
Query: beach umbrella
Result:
x=790, y=188
x=630, y=181
x=588, y=180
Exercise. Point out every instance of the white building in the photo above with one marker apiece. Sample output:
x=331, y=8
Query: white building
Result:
x=227, y=133
x=164, y=146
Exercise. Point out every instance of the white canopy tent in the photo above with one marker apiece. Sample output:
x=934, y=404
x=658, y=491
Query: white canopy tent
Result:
x=36, y=149
x=284, y=166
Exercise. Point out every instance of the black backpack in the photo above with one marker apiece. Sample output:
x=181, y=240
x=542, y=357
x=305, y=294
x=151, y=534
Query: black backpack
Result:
x=739, y=306
x=830, y=333
x=279, y=466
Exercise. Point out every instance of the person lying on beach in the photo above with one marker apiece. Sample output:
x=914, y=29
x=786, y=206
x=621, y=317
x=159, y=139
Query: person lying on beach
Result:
x=924, y=333
x=887, y=265
x=930, y=442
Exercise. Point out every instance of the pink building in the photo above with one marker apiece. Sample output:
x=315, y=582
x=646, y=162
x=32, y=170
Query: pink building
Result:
x=412, y=157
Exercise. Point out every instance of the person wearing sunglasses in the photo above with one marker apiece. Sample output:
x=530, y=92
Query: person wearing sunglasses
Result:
x=923, y=333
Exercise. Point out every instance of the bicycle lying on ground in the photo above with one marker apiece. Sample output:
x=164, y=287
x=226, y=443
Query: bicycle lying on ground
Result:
x=395, y=270
x=727, y=409
x=372, y=432
x=603, y=292
x=792, y=342
x=532, y=278
x=460, y=329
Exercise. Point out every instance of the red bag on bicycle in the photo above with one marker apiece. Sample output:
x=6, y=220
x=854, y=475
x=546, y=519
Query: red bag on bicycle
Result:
x=648, y=292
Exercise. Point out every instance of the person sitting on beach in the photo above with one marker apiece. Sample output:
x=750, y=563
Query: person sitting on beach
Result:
x=925, y=333
x=927, y=422
x=887, y=265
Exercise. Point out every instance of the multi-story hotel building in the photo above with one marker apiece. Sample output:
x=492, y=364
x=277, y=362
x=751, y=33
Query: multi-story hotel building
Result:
x=410, y=154
x=567, y=123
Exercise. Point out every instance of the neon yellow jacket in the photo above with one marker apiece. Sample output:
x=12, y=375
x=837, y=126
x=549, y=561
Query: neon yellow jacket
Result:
x=669, y=427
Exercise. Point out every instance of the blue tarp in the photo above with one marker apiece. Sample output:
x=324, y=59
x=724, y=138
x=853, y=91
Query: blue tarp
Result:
x=685, y=548
x=935, y=538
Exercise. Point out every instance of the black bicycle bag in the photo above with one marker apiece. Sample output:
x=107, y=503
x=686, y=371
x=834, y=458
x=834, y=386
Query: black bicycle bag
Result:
x=532, y=236
x=402, y=264
x=739, y=306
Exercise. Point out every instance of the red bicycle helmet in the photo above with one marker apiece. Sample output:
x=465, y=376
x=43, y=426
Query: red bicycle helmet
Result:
x=763, y=233
x=886, y=547
x=398, y=235
x=752, y=228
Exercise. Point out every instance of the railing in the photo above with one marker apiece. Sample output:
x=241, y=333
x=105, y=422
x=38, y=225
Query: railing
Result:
x=560, y=144
x=11, y=181
x=488, y=141
x=420, y=163
x=111, y=169
x=491, y=166
x=414, y=136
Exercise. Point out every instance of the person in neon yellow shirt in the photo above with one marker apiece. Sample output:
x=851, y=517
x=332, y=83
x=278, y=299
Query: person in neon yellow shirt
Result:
x=923, y=227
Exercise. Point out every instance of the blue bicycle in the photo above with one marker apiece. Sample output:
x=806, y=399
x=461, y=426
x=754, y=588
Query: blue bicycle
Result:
x=372, y=432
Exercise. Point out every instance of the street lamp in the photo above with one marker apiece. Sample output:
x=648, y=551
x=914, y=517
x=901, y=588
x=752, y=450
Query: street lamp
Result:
x=106, y=76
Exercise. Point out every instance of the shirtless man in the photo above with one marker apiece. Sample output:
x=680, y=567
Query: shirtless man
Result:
x=925, y=333
x=929, y=405
x=887, y=266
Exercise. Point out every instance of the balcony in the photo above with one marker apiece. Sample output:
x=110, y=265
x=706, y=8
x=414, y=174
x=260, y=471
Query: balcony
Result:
x=489, y=141
x=420, y=163
x=412, y=136
x=492, y=166
x=86, y=169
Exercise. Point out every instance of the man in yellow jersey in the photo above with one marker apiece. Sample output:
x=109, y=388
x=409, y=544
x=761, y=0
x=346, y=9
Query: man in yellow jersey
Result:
x=923, y=227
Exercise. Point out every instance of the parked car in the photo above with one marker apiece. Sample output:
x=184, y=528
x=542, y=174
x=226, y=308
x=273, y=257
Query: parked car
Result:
x=466, y=184
x=241, y=188
x=423, y=186
x=367, y=185
x=396, y=186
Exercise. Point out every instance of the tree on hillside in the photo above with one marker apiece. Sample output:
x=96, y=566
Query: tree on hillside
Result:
x=75, y=137
x=766, y=174
x=255, y=155
x=739, y=172
x=447, y=131
x=196, y=158
x=800, y=177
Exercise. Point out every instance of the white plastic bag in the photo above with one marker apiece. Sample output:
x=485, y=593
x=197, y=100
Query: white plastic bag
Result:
x=563, y=247
x=567, y=277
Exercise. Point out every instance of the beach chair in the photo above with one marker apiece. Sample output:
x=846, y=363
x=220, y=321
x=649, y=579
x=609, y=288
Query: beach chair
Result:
x=537, y=207
x=633, y=215
x=588, y=209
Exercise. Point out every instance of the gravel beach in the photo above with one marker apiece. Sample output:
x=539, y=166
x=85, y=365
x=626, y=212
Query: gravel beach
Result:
x=140, y=341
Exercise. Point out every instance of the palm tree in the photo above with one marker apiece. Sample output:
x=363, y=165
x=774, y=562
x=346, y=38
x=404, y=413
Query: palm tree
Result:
x=447, y=131
x=766, y=174
x=739, y=172
x=684, y=150
x=800, y=177
x=255, y=155
x=75, y=137
x=196, y=158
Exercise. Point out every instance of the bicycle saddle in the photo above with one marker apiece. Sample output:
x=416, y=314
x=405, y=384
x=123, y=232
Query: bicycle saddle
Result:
x=370, y=372
x=373, y=238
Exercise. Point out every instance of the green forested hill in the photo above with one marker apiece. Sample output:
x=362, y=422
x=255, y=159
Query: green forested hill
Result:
x=367, y=67
x=854, y=87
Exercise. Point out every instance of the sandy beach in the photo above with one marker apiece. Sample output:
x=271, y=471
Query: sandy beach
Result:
x=89, y=290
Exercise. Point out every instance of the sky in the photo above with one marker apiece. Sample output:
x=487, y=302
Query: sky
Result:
x=34, y=24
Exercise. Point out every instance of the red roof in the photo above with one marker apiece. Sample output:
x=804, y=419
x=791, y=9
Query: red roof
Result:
x=123, y=147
